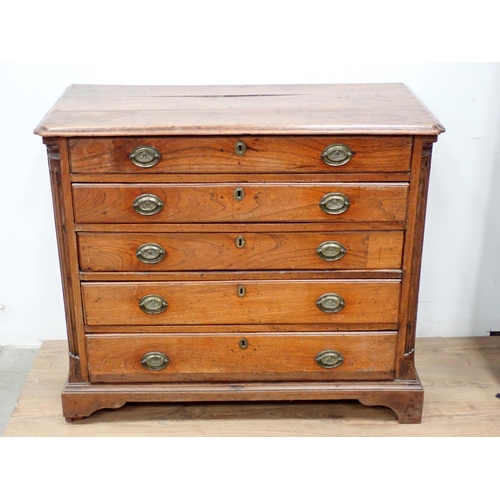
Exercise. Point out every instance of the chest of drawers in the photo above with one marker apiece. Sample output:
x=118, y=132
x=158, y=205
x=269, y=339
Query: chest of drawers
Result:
x=240, y=243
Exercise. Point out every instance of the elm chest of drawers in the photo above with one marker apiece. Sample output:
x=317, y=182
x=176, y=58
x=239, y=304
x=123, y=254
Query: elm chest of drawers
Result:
x=240, y=243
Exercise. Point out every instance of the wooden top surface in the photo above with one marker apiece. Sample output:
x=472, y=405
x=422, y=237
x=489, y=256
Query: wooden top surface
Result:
x=110, y=110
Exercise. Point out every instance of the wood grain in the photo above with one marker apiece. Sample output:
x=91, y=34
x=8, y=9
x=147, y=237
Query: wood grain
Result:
x=193, y=155
x=182, y=178
x=234, y=227
x=68, y=259
x=377, y=109
x=334, y=274
x=412, y=255
x=210, y=358
x=112, y=203
x=219, y=251
x=213, y=329
x=461, y=377
x=265, y=302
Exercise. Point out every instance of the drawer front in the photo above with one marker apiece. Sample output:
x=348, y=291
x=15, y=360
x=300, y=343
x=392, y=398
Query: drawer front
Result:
x=241, y=155
x=177, y=203
x=326, y=302
x=239, y=251
x=302, y=356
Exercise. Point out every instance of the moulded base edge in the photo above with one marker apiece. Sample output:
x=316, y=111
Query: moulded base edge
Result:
x=404, y=397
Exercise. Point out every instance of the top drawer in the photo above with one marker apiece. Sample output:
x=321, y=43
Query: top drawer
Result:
x=246, y=154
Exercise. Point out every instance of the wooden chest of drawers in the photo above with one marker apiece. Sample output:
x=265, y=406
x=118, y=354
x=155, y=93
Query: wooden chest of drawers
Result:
x=240, y=243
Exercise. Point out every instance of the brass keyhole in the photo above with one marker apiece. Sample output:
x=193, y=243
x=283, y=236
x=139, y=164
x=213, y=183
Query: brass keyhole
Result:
x=241, y=291
x=243, y=343
x=240, y=148
x=240, y=242
x=239, y=193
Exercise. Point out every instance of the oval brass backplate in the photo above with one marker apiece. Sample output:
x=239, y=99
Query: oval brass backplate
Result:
x=153, y=304
x=147, y=204
x=329, y=359
x=336, y=155
x=150, y=253
x=331, y=251
x=145, y=156
x=330, y=303
x=334, y=203
x=155, y=361
x=243, y=343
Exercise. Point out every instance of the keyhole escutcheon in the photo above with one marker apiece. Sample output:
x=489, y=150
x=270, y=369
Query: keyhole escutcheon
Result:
x=243, y=343
x=240, y=148
x=239, y=193
x=240, y=242
x=241, y=291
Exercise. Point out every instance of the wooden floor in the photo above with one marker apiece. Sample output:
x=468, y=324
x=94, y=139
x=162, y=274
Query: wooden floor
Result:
x=461, y=378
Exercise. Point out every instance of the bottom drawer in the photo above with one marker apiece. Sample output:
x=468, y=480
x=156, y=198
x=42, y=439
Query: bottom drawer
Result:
x=236, y=357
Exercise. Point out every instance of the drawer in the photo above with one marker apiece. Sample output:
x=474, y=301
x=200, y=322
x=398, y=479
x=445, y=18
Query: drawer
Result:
x=301, y=356
x=284, y=301
x=240, y=155
x=178, y=203
x=239, y=251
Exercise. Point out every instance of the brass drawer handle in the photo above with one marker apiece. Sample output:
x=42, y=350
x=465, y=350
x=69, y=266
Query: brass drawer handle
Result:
x=145, y=156
x=337, y=155
x=150, y=253
x=148, y=204
x=331, y=250
x=155, y=361
x=329, y=359
x=334, y=203
x=330, y=303
x=240, y=148
x=153, y=304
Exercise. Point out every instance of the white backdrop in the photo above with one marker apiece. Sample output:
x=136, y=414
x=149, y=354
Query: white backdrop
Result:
x=460, y=286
